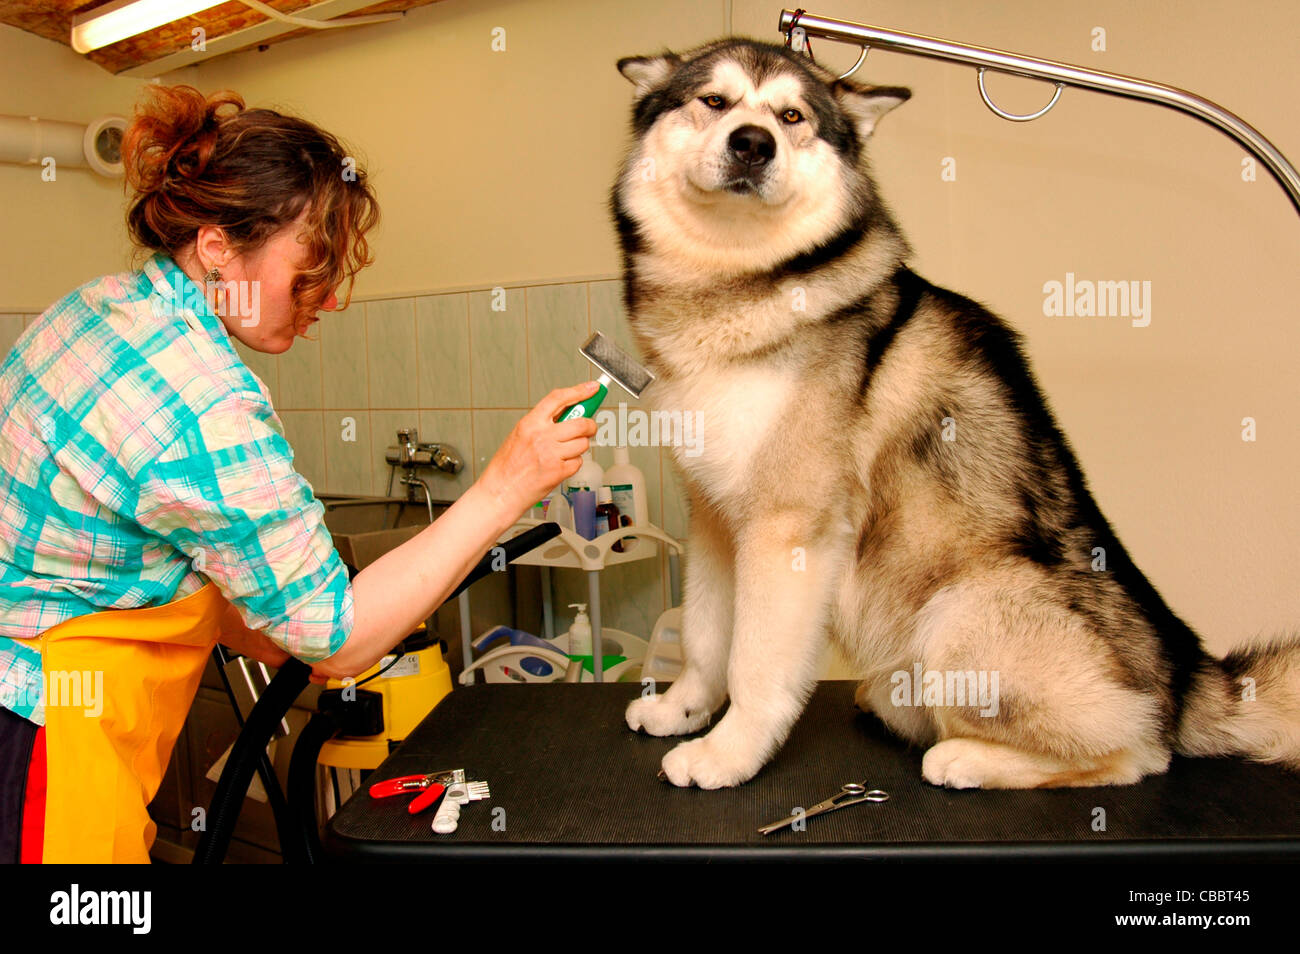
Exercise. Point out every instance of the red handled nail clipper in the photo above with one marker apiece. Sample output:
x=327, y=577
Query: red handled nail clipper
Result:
x=430, y=787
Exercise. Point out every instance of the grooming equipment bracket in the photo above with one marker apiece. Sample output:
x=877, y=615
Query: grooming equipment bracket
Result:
x=798, y=25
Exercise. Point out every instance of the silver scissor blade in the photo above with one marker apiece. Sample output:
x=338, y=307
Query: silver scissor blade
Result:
x=777, y=826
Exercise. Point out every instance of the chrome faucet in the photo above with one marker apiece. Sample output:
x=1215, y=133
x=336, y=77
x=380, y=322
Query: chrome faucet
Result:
x=409, y=455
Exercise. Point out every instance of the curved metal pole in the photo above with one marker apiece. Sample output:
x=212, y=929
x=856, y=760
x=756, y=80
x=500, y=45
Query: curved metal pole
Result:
x=1113, y=83
x=1016, y=117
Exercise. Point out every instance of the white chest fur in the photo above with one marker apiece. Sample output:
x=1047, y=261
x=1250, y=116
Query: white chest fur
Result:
x=734, y=411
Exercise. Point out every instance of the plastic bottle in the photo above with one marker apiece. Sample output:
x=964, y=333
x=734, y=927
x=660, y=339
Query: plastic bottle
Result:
x=580, y=632
x=588, y=477
x=584, y=513
x=627, y=487
x=558, y=510
x=607, y=514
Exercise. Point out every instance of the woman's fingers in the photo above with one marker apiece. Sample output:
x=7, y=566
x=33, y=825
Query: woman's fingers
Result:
x=560, y=398
x=571, y=453
x=578, y=427
x=539, y=453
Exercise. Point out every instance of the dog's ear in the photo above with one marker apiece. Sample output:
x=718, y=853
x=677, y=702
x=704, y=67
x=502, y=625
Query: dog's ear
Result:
x=647, y=72
x=866, y=104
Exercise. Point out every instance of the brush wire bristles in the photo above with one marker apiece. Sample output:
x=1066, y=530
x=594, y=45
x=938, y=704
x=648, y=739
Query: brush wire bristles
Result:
x=617, y=363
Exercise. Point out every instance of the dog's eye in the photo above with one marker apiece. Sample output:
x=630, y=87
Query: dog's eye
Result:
x=792, y=116
x=713, y=101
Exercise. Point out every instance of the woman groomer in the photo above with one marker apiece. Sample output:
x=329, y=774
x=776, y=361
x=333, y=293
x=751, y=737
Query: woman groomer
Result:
x=148, y=500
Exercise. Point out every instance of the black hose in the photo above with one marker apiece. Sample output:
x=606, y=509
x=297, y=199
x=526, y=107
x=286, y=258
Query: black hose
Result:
x=513, y=549
x=251, y=744
x=287, y=685
x=303, y=845
x=265, y=770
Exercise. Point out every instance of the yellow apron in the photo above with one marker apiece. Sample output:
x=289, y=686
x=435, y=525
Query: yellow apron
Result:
x=119, y=685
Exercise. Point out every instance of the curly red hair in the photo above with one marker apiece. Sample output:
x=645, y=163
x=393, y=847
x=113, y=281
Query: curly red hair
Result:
x=193, y=161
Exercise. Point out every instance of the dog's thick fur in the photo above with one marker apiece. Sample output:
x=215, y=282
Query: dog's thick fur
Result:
x=880, y=468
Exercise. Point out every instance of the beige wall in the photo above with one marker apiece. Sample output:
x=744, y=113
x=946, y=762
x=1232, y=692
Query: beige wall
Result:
x=62, y=233
x=493, y=169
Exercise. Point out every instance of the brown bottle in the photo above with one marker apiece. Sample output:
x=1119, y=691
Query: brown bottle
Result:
x=607, y=517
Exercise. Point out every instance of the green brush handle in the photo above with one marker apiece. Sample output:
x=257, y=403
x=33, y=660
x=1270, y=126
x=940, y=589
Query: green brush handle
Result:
x=584, y=408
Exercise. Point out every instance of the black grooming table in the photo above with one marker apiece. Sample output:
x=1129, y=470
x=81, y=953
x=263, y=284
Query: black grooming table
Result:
x=575, y=782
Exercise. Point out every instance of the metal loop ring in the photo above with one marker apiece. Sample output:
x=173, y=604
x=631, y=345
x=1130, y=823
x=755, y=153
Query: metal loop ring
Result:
x=1012, y=116
x=876, y=795
x=854, y=68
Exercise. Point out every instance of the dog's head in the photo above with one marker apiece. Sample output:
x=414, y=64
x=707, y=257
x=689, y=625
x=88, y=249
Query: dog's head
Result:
x=745, y=154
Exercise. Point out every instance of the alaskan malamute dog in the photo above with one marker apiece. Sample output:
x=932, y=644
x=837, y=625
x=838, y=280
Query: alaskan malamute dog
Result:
x=879, y=467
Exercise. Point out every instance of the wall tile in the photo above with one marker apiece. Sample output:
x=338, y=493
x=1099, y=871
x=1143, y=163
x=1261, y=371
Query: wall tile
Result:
x=455, y=428
x=299, y=376
x=303, y=431
x=557, y=328
x=343, y=358
x=442, y=335
x=498, y=350
x=348, y=468
x=390, y=335
x=11, y=329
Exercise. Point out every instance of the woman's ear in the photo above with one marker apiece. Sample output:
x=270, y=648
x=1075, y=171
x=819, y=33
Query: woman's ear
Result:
x=212, y=248
x=866, y=104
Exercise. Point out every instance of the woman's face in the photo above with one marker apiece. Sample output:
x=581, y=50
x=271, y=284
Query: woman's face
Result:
x=254, y=297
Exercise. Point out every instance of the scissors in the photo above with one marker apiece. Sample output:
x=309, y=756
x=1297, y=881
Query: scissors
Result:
x=850, y=793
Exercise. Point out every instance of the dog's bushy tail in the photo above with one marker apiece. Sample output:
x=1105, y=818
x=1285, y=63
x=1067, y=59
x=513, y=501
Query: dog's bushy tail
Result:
x=1247, y=704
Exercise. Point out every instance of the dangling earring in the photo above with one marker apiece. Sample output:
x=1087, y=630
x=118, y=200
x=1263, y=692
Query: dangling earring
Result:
x=209, y=280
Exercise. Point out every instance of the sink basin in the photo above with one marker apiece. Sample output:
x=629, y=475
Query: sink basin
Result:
x=365, y=528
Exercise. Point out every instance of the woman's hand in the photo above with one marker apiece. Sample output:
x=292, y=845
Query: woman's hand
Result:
x=539, y=453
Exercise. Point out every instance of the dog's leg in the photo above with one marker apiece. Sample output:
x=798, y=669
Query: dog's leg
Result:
x=785, y=573
x=977, y=763
x=701, y=688
x=915, y=724
x=1028, y=695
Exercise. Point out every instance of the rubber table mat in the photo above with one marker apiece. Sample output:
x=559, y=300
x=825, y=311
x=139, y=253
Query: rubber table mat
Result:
x=570, y=780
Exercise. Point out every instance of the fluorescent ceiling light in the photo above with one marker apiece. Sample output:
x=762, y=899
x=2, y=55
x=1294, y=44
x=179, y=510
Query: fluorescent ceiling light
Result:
x=123, y=18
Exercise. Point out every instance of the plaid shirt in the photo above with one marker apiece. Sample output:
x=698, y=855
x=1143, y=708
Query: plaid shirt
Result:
x=139, y=458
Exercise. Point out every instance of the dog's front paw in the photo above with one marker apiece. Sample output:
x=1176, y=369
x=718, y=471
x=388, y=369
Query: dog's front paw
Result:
x=706, y=763
x=661, y=715
x=956, y=763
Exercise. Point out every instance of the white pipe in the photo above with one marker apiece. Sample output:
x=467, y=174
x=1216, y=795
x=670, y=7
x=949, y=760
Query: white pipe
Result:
x=28, y=140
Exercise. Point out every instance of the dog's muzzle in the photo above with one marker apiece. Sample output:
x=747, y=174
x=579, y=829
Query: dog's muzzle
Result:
x=751, y=149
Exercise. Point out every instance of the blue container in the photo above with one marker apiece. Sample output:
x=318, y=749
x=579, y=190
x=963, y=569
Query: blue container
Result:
x=584, y=512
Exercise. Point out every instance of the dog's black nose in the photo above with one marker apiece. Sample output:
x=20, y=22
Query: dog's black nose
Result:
x=752, y=145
